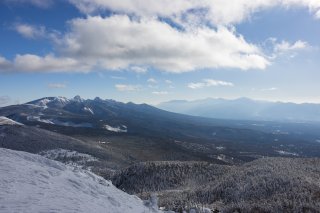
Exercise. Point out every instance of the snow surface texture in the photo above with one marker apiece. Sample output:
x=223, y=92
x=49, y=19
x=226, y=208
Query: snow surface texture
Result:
x=32, y=183
x=7, y=121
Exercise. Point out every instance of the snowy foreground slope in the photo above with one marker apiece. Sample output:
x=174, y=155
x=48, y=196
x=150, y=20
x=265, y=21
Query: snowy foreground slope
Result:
x=31, y=183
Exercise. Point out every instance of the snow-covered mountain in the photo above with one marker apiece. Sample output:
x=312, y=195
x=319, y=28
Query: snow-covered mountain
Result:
x=31, y=183
x=7, y=121
x=245, y=109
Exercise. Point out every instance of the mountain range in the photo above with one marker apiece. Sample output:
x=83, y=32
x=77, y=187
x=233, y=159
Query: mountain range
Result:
x=187, y=161
x=245, y=109
x=140, y=132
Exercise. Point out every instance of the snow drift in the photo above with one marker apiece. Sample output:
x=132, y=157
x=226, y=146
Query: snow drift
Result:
x=32, y=183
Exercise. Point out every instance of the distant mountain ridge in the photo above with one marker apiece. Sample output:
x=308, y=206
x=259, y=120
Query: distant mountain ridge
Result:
x=140, y=132
x=245, y=109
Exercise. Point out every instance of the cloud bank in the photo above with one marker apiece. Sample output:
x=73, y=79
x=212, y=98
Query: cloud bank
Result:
x=137, y=43
x=216, y=11
x=201, y=35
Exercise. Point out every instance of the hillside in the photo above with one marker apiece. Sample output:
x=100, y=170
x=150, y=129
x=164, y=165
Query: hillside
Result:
x=189, y=162
x=264, y=185
x=139, y=132
x=31, y=183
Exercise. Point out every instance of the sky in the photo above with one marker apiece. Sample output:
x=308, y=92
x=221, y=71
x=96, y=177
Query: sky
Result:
x=151, y=51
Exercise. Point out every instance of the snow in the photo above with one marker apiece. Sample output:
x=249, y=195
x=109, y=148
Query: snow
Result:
x=220, y=148
x=71, y=124
x=62, y=153
x=121, y=128
x=39, y=119
x=57, y=122
x=32, y=106
x=88, y=109
x=103, y=142
x=61, y=101
x=281, y=152
x=69, y=157
x=58, y=101
x=32, y=183
x=7, y=121
x=43, y=103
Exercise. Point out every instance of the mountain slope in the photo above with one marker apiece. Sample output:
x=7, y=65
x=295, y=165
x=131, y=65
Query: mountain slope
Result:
x=31, y=183
x=264, y=185
x=140, y=132
x=245, y=109
x=7, y=121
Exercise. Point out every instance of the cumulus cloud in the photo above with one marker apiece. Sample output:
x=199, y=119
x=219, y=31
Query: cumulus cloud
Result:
x=160, y=92
x=57, y=85
x=209, y=83
x=130, y=42
x=48, y=63
x=215, y=11
x=134, y=42
x=137, y=43
x=30, y=31
x=127, y=87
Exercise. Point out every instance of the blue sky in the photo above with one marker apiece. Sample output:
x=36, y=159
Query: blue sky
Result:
x=140, y=51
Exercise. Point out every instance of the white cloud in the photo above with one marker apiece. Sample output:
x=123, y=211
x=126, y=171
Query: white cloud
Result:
x=209, y=83
x=30, y=31
x=138, y=69
x=318, y=14
x=57, y=85
x=48, y=63
x=136, y=43
x=285, y=46
x=152, y=80
x=168, y=82
x=160, y=92
x=127, y=42
x=127, y=88
x=216, y=11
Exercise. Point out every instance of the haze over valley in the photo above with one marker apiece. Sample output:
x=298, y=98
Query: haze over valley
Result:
x=159, y=106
